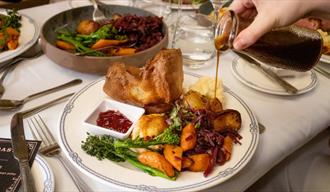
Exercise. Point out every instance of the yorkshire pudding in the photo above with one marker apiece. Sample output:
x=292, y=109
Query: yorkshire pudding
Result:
x=159, y=82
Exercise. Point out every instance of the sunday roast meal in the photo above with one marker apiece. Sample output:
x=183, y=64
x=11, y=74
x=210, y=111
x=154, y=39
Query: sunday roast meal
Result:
x=117, y=36
x=183, y=129
x=9, y=30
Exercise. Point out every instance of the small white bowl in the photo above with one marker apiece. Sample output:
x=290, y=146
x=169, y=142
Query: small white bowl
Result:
x=132, y=113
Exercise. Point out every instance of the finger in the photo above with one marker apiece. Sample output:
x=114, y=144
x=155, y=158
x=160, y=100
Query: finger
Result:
x=240, y=6
x=253, y=32
x=249, y=14
x=237, y=6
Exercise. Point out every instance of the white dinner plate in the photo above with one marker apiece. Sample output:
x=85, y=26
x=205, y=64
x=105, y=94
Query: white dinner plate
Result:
x=325, y=59
x=251, y=76
x=122, y=175
x=42, y=175
x=28, y=36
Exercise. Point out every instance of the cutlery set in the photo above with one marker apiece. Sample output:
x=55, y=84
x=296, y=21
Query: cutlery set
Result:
x=19, y=144
x=21, y=152
x=7, y=104
x=50, y=148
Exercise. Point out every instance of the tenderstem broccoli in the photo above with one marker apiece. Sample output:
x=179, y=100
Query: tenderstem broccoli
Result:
x=78, y=46
x=103, y=147
x=83, y=42
x=105, y=32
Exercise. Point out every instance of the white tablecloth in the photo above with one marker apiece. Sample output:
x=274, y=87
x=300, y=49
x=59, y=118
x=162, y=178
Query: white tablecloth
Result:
x=307, y=169
x=290, y=121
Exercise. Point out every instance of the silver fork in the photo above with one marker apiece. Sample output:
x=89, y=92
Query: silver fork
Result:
x=50, y=148
x=11, y=66
x=98, y=15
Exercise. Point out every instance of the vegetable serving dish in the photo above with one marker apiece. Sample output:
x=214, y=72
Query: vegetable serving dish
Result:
x=70, y=19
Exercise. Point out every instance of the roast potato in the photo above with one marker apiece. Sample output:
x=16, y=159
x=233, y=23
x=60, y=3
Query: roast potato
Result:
x=195, y=100
x=215, y=105
x=149, y=126
x=87, y=27
x=227, y=119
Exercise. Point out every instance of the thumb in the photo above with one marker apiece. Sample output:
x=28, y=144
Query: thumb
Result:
x=261, y=25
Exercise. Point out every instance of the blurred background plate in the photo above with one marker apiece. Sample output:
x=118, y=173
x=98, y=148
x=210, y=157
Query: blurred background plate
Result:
x=252, y=77
x=28, y=36
x=43, y=175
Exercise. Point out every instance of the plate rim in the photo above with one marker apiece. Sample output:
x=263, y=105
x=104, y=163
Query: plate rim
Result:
x=28, y=44
x=49, y=181
x=228, y=172
x=309, y=87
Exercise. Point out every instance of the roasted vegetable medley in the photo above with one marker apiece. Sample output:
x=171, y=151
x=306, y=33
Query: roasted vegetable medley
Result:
x=9, y=30
x=118, y=36
x=196, y=135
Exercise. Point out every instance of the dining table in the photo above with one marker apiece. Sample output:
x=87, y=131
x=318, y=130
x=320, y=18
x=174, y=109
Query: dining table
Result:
x=289, y=121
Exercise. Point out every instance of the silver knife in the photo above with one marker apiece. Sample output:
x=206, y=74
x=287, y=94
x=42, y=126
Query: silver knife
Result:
x=21, y=152
x=269, y=73
x=322, y=71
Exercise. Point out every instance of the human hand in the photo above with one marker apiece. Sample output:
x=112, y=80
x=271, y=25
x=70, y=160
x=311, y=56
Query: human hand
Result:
x=267, y=14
